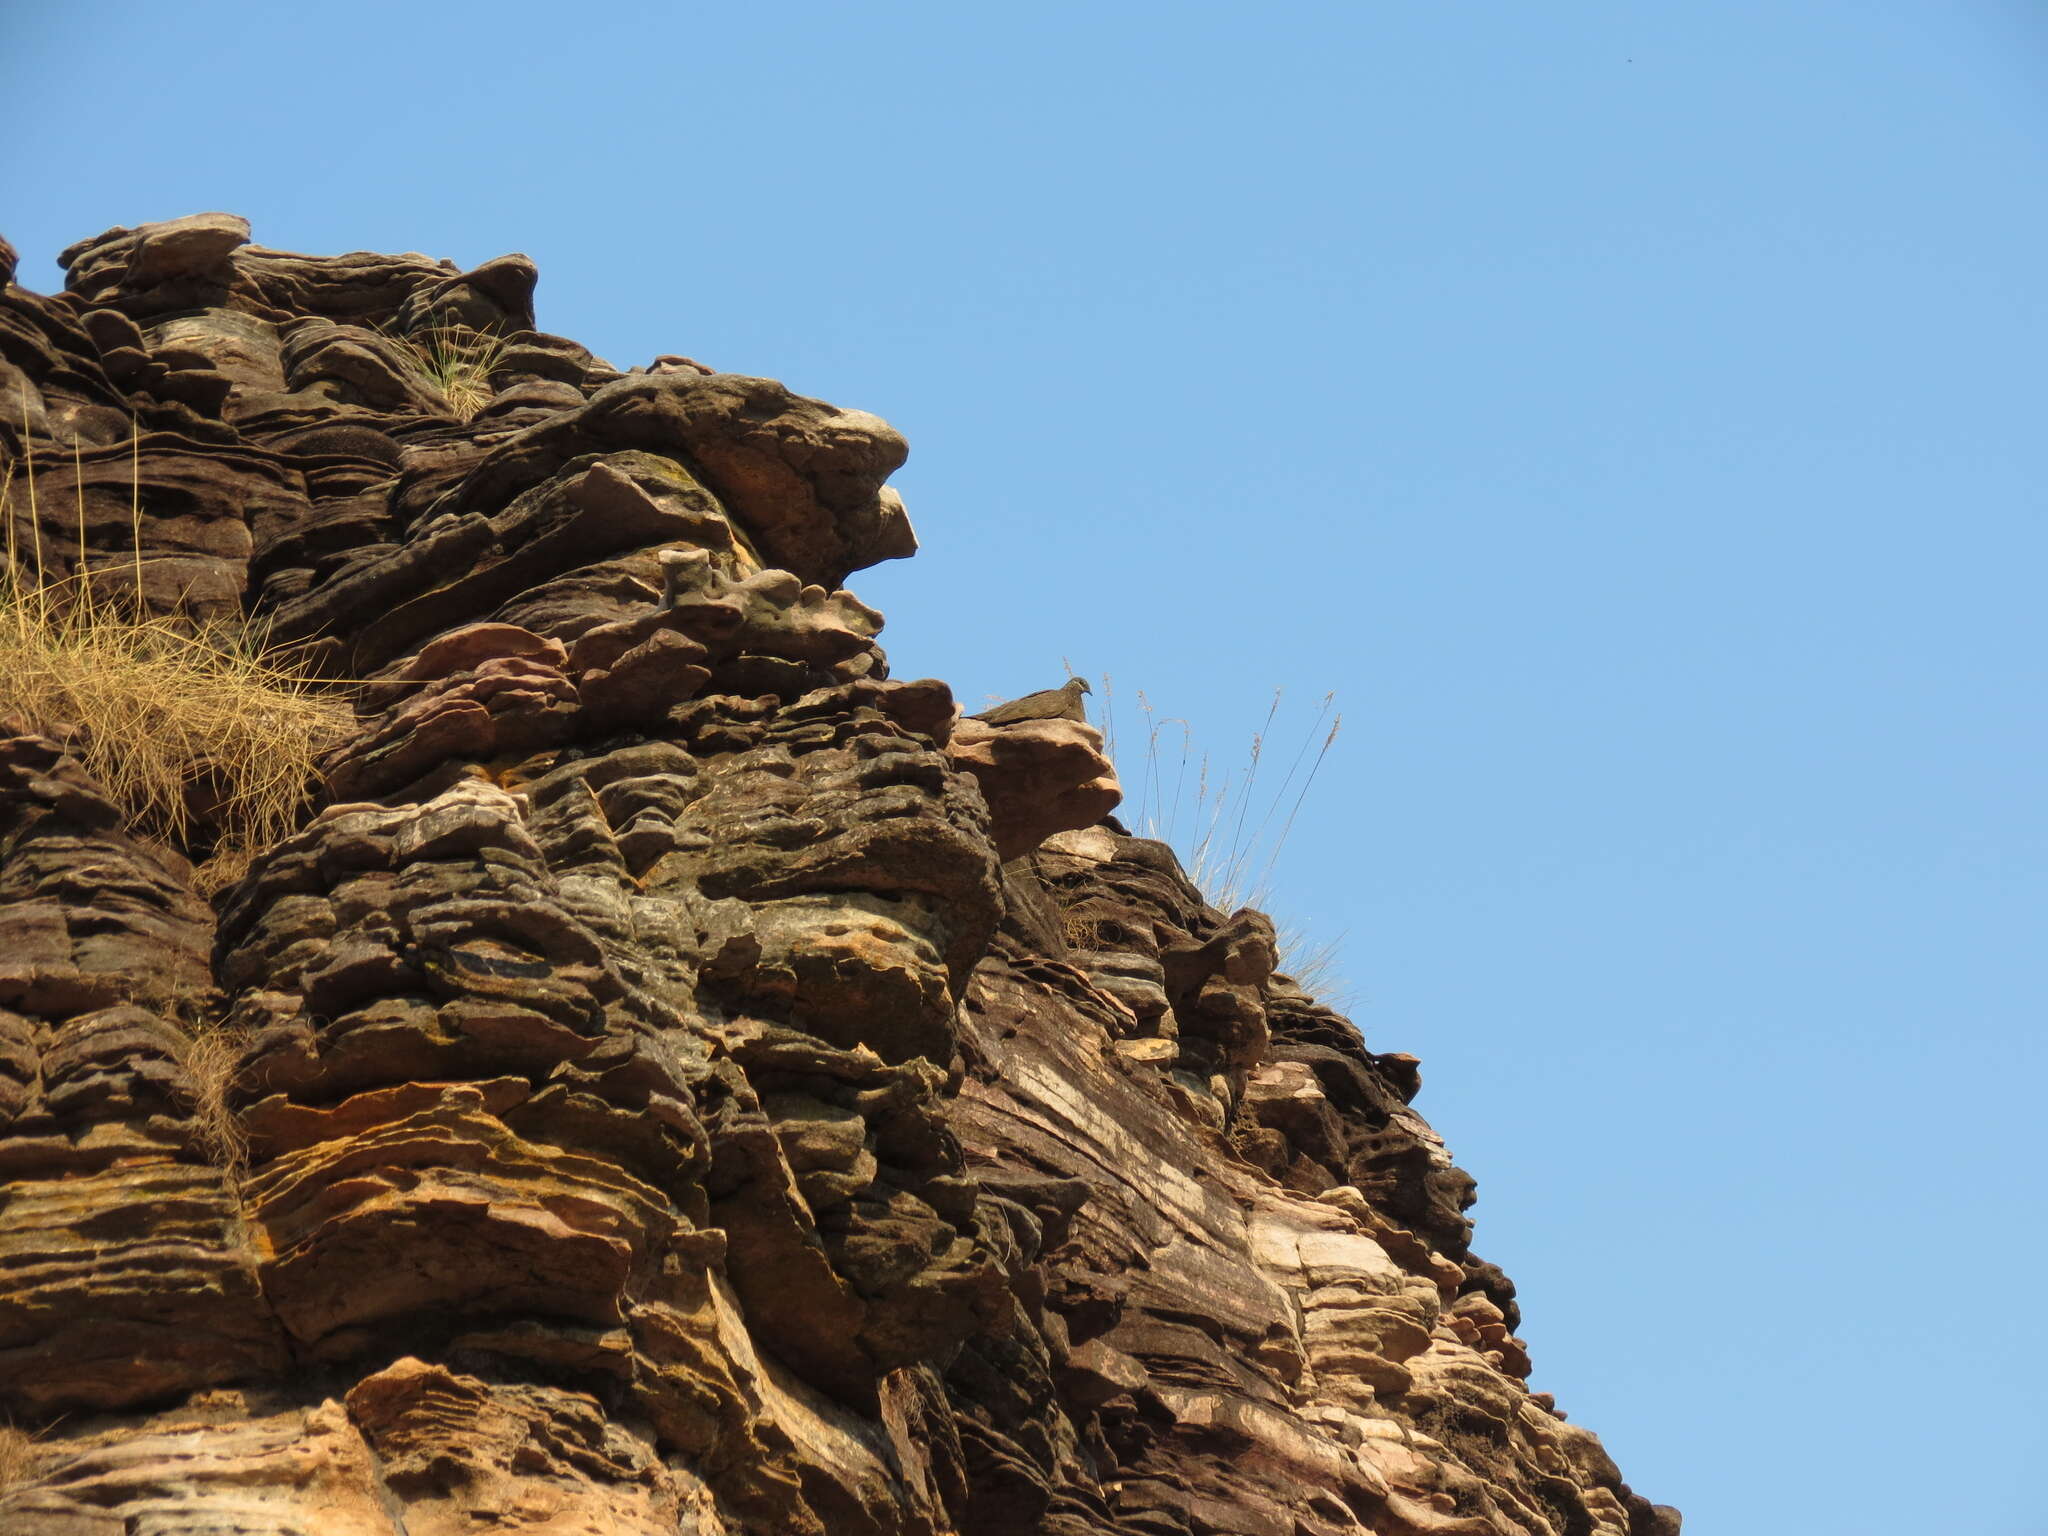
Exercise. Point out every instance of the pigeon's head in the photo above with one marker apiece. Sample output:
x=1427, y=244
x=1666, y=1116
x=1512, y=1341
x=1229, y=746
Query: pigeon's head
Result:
x=1078, y=685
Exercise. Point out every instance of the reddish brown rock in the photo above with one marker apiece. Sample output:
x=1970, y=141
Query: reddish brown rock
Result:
x=126, y=1273
x=802, y=478
x=676, y=1078
x=1039, y=777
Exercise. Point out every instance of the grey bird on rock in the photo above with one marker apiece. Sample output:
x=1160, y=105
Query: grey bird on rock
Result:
x=1052, y=704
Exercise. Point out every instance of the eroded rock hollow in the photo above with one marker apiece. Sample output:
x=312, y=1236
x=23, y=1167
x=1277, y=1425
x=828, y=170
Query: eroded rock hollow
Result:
x=678, y=1078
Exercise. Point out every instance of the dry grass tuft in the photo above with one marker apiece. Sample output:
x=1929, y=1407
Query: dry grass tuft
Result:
x=1081, y=932
x=1229, y=827
x=1315, y=967
x=19, y=1454
x=172, y=997
x=211, y=1056
x=209, y=1053
x=171, y=716
x=223, y=869
x=458, y=362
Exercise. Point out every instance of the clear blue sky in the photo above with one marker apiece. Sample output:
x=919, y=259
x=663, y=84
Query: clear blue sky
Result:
x=1634, y=413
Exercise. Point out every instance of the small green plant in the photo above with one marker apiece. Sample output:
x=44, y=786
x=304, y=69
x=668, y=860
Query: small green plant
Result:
x=457, y=361
x=166, y=712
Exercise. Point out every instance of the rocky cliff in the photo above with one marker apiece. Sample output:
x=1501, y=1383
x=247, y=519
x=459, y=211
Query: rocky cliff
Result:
x=678, y=1078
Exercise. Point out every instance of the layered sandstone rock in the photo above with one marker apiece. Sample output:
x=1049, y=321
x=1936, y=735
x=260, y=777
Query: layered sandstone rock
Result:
x=678, y=1078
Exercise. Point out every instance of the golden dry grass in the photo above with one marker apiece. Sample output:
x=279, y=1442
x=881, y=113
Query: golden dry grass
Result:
x=19, y=1454
x=167, y=714
x=1315, y=967
x=458, y=362
x=1228, y=829
x=209, y=1052
x=211, y=1055
x=224, y=868
x=1078, y=930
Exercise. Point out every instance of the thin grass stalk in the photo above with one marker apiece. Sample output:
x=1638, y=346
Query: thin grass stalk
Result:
x=1314, y=768
x=1251, y=778
x=135, y=514
x=1180, y=778
x=78, y=498
x=1151, y=751
x=1232, y=846
x=1294, y=767
x=158, y=705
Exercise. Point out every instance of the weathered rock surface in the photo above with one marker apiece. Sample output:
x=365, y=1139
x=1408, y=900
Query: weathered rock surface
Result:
x=678, y=1078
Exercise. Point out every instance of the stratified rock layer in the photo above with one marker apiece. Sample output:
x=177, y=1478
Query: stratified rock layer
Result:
x=677, y=1079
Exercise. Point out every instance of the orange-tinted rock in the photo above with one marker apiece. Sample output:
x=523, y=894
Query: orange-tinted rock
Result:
x=1039, y=777
x=676, y=1078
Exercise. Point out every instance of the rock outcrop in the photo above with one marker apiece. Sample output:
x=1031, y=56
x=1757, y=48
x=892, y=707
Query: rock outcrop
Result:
x=677, y=1078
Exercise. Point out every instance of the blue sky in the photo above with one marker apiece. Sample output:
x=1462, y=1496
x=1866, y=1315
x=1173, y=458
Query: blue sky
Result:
x=1631, y=411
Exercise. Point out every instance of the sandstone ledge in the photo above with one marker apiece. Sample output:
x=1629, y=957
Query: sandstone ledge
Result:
x=678, y=1078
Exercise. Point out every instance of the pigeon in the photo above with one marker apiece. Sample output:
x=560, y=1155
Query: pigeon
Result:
x=1051, y=704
